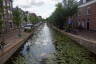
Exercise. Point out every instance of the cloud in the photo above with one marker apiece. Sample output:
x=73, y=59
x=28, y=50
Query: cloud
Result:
x=40, y=7
x=37, y=3
x=27, y=3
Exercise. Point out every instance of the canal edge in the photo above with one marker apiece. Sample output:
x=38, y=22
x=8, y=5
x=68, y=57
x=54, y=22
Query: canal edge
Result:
x=88, y=44
x=8, y=52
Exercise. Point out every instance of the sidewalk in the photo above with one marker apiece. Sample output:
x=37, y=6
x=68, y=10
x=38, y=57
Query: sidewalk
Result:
x=84, y=38
x=87, y=34
x=12, y=37
x=13, y=42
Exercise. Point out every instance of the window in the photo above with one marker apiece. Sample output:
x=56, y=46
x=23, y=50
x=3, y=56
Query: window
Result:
x=88, y=11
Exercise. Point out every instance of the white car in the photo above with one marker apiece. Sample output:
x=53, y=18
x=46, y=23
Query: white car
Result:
x=28, y=26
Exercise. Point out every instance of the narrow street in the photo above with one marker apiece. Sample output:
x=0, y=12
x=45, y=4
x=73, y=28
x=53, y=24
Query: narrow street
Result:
x=48, y=46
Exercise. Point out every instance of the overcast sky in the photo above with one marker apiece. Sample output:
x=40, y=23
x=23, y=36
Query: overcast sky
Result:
x=43, y=8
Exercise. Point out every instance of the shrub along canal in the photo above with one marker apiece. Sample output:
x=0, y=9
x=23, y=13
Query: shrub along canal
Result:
x=48, y=46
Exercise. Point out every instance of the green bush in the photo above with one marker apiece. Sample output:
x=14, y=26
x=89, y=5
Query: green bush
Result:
x=28, y=30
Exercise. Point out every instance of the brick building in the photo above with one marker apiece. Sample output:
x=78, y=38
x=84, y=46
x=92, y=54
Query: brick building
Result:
x=8, y=23
x=86, y=17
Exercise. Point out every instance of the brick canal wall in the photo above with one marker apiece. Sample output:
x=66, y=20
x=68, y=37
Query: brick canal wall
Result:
x=9, y=51
x=89, y=44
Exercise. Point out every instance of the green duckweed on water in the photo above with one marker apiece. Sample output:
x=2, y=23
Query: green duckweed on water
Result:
x=69, y=52
x=19, y=60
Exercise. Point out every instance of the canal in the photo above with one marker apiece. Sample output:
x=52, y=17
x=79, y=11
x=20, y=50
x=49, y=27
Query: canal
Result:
x=48, y=46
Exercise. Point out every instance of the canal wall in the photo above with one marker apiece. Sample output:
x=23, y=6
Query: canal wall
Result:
x=87, y=43
x=7, y=52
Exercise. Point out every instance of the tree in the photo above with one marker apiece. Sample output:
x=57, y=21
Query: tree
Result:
x=71, y=7
x=57, y=17
x=1, y=15
x=40, y=18
x=25, y=18
x=62, y=12
x=33, y=19
x=17, y=18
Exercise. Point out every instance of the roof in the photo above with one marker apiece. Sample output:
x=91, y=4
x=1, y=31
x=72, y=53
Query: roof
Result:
x=88, y=3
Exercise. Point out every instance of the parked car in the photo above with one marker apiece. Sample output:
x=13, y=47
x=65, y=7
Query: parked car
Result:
x=28, y=27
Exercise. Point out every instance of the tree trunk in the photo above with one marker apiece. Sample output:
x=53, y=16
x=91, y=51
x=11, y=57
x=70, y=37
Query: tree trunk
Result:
x=19, y=31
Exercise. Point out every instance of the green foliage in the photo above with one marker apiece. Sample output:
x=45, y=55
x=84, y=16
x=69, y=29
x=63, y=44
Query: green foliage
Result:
x=17, y=17
x=29, y=30
x=62, y=13
x=71, y=7
x=1, y=14
x=33, y=19
x=1, y=24
x=69, y=52
x=40, y=19
x=20, y=60
x=25, y=18
x=58, y=16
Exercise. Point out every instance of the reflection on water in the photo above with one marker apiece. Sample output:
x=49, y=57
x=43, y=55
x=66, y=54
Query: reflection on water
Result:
x=39, y=48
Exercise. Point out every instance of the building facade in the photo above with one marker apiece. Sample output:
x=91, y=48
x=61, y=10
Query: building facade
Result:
x=8, y=17
x=86, y=17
